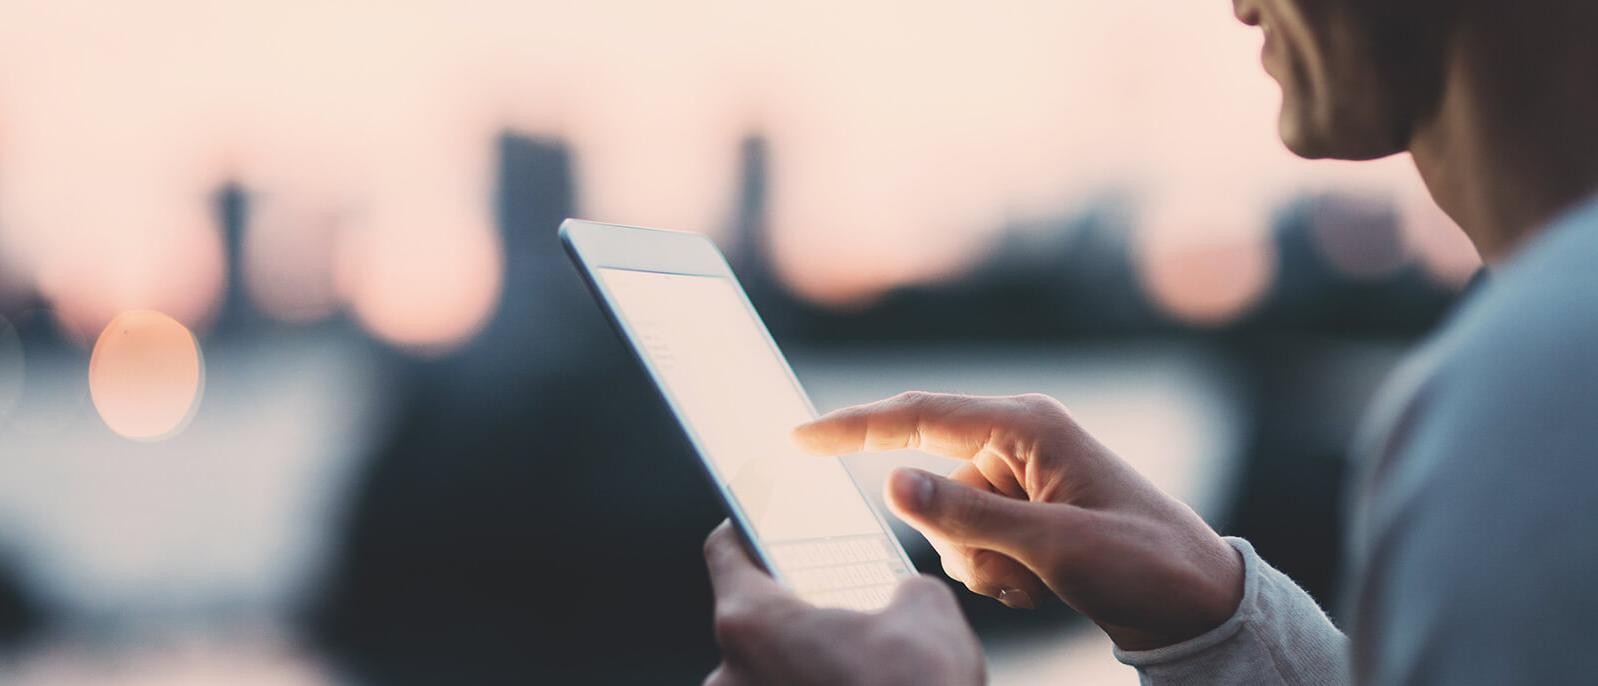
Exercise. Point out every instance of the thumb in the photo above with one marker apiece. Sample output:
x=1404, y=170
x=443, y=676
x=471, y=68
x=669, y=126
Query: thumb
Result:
x=963, y=515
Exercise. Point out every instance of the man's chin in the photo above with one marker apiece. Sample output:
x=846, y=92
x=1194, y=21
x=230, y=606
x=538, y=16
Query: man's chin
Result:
x=1300, y=139
x=1318, y=143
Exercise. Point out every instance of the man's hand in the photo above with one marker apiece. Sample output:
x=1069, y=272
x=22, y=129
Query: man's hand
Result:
x=1040, y=509
x=770, y=636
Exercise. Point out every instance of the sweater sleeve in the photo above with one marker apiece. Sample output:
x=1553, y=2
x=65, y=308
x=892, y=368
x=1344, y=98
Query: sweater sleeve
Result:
x=1277, y=636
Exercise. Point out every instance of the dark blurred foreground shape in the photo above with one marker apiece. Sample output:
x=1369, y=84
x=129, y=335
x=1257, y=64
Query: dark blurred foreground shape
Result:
x=18, y=616
x=534, y=516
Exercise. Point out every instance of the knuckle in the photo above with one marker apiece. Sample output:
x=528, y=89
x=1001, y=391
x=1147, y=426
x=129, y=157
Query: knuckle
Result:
x=989, y=574
x=987, y=565
x=911, y=398
x=1043, y=405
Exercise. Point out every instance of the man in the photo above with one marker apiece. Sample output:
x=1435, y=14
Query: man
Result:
x=1474, y=554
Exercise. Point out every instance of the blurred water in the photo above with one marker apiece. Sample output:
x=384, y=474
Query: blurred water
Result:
x=231, y=517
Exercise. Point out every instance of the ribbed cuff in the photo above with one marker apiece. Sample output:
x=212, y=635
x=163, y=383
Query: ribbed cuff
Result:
x=1277, y=636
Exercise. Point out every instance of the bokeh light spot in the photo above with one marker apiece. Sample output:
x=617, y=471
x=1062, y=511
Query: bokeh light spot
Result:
x=1359, y=236
x=1205, y=278
x=424, y=290
x=146, y=375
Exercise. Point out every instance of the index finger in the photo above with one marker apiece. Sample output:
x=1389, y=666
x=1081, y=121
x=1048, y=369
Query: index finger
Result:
x=958, y=426
x=733, y=574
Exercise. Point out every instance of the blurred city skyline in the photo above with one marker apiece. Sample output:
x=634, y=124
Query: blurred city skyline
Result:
x=902, y=138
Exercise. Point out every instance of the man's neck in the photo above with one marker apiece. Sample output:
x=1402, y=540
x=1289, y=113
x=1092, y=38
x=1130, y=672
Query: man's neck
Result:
x=1514, y=140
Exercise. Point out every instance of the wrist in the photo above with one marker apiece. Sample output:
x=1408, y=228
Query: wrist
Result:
x=1224, y=594
x=1214, y=590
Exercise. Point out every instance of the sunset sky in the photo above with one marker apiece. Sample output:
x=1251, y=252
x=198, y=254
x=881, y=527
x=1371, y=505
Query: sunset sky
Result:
x=901, y=135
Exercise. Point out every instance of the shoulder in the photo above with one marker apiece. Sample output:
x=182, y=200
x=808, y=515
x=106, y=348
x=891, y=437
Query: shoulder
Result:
x=1515, y=367
x=1477, y=542
x=1515, y=378
x=1532, y=332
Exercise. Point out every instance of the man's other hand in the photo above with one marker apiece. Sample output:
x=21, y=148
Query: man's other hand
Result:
x=770, y=636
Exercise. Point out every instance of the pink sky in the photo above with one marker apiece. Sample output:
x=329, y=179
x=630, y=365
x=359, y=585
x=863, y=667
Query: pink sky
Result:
x=900, y=133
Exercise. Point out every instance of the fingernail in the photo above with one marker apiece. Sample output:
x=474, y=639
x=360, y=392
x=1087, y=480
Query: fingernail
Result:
x=1016, y=598
x=912, y=487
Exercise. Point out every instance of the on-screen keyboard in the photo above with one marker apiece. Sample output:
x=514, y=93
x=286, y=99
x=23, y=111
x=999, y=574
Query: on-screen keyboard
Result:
x=850, y=572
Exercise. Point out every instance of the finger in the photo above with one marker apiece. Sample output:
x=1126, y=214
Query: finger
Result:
x=969, y=474
x=733, y=574
x=992, y=574
x=983, y=571
x=967, y=516
x=955, y=557
x=958, y=426
x=993, y=476
x=1002, y=578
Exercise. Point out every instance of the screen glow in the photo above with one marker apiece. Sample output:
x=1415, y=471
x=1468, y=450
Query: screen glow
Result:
x=735, y=394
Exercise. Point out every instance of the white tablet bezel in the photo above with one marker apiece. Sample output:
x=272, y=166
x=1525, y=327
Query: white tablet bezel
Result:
x=593, y=246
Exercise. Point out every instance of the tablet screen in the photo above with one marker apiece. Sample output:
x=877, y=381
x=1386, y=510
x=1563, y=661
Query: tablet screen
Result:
x=733, y=392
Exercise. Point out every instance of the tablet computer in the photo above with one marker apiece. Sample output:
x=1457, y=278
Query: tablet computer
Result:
x=673, y=298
